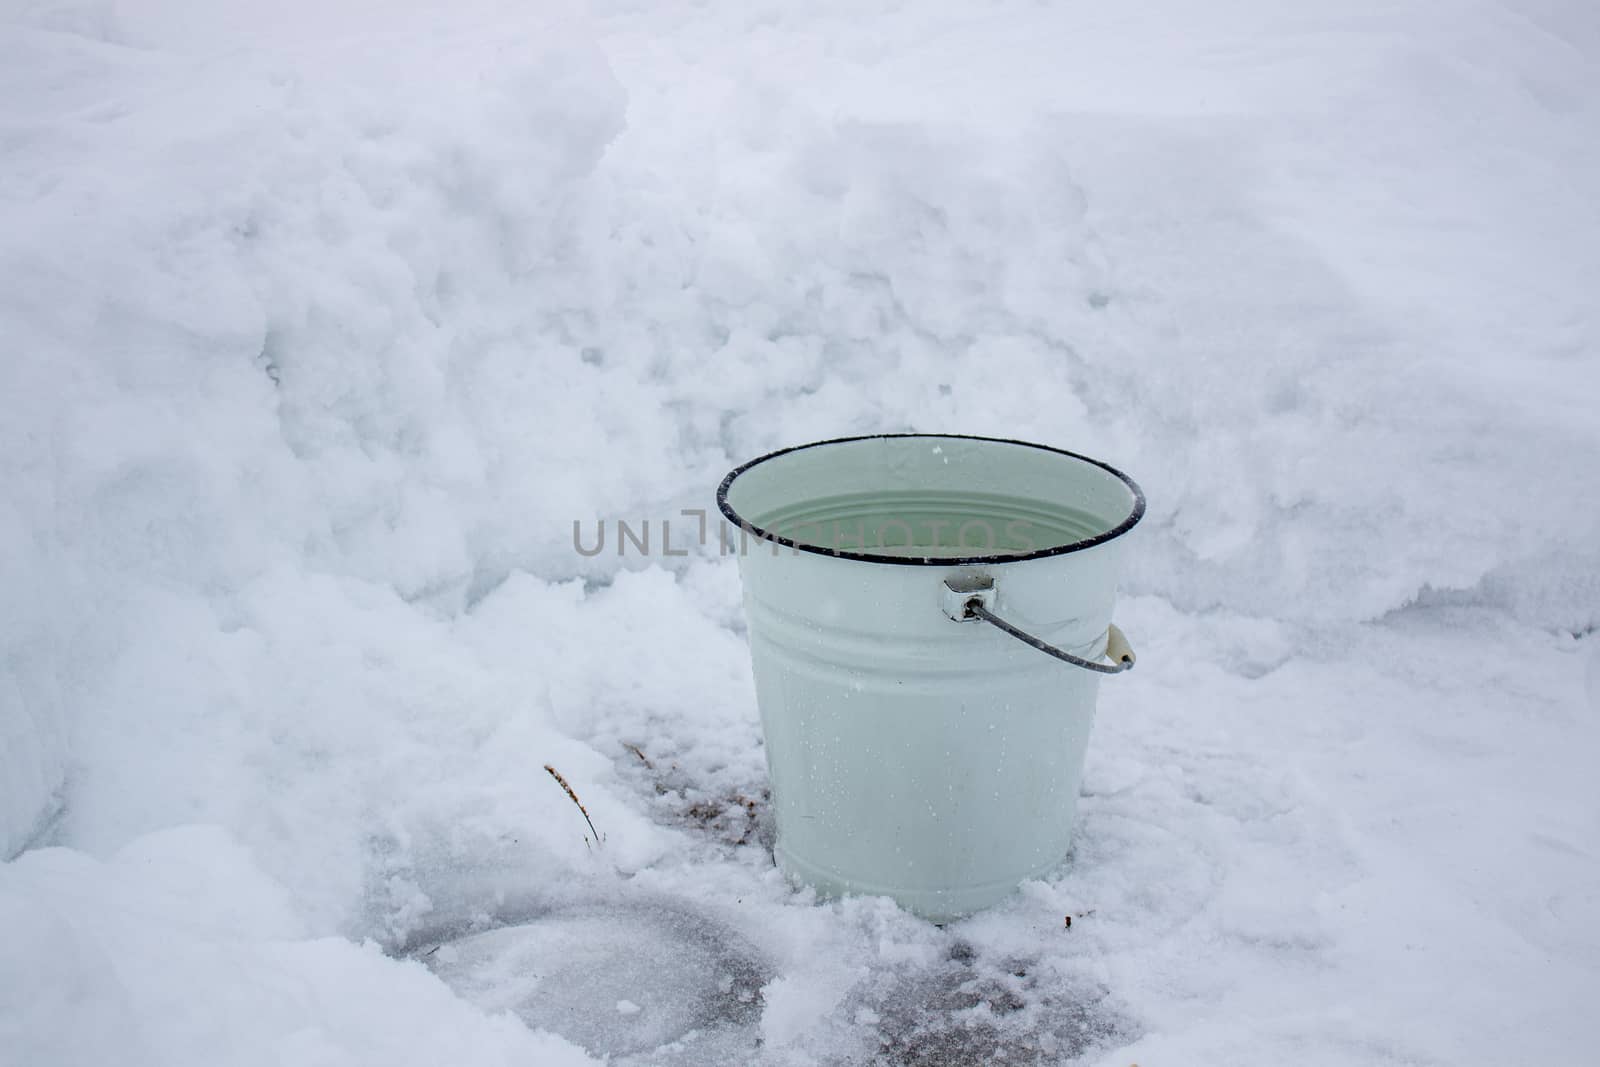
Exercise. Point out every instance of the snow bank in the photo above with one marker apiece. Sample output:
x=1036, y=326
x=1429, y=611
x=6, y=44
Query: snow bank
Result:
x=179, y=950
x=227, y=282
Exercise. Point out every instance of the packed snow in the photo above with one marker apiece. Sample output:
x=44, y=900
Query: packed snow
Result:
x=322, y=324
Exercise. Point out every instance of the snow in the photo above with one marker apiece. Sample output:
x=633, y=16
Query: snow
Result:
x=179, y=949
x=322, y=325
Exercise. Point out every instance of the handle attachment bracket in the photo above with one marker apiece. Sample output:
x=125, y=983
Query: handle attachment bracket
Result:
x=972, y=600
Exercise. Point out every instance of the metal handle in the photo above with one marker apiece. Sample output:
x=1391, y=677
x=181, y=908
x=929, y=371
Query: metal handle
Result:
x=971, y=601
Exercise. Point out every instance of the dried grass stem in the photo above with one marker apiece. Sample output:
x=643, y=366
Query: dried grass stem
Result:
x=573, y=796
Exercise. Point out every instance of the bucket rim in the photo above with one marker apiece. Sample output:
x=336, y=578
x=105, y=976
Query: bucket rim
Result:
x=932, y=561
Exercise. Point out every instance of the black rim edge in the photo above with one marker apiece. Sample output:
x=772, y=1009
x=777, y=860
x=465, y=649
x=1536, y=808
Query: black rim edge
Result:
x=931, y=561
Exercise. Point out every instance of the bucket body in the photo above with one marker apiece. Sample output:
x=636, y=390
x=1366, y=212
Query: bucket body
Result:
x=913, y=755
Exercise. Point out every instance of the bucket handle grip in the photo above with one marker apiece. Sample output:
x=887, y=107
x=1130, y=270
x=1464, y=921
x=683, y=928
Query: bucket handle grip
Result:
x=975, y=605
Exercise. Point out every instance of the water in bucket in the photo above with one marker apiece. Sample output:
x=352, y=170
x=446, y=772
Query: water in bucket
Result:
x=929, y=619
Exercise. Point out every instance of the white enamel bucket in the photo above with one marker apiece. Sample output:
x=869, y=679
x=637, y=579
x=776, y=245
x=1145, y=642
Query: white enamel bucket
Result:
x=929, y=619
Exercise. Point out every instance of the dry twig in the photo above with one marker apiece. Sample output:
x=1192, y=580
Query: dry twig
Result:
x=573, y=796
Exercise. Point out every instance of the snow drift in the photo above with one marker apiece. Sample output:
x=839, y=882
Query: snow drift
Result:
x=321, y=328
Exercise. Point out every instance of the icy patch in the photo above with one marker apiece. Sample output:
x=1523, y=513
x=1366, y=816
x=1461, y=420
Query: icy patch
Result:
x=979, y=1009
x=621, y=979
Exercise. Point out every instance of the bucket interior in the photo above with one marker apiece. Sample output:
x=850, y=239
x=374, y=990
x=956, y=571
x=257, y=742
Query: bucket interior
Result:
x=923, y=497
